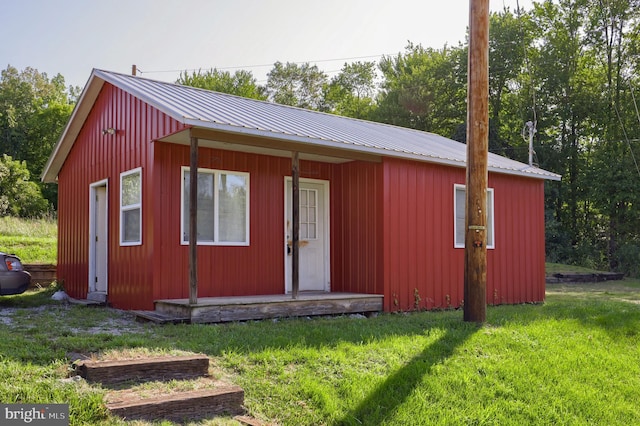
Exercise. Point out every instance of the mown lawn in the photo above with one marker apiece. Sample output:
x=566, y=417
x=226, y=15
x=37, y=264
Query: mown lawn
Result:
x=572, y=360
x=33, y=240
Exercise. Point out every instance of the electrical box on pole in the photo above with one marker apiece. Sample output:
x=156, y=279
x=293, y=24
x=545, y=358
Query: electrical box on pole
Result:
x=475, y=252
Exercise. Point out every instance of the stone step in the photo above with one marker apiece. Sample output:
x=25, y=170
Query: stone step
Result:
x=97, y=296
x=190, y=405
x=85, y=302
x=143, y=370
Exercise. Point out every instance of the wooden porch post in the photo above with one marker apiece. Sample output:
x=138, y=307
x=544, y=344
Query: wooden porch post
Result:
x=295, y=225
x=475, y=252
x=193, y=222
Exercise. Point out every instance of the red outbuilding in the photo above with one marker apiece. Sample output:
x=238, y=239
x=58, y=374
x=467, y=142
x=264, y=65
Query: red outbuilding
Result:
x=381, y=207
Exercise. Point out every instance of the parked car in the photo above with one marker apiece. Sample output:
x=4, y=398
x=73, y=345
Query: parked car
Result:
x=13, y=278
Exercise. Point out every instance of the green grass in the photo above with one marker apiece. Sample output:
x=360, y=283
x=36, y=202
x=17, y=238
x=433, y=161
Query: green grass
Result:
x=572, y=360
x=34, y=241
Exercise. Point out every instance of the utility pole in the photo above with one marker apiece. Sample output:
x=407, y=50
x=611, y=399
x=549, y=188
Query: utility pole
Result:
x=475, y=252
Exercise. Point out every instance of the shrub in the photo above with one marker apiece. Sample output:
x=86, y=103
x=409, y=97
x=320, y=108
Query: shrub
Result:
x=18, y=195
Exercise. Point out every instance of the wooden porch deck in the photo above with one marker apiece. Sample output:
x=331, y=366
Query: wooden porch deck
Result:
x=243, y=308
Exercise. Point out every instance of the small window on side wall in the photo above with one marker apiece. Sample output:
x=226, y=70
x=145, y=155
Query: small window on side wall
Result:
x=131, y=207
x=459, y=192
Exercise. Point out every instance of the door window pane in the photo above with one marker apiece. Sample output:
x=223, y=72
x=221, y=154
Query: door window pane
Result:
x=308, y=214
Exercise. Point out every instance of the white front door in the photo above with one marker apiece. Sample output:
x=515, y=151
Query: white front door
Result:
x=314, y=269
x=98, y=238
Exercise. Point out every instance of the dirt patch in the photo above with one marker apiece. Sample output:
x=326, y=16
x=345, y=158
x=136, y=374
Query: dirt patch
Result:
x=602, y=287
x=115, y=326
x=614, y=290
x=116, y=323
x=7, y=314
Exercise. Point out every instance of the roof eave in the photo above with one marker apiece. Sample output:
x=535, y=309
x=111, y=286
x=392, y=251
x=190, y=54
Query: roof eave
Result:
x=530, y=172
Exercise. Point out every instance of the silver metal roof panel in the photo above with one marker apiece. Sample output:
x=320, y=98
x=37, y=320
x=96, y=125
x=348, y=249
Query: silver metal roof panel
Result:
x=213, y=110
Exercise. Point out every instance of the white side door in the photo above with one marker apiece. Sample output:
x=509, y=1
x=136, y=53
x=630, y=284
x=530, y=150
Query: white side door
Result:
x=98, y=238
x=314, y=269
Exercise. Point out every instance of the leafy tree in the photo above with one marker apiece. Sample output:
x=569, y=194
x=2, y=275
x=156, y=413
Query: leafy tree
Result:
x=33, y=112
x=18, y=195
x=424, y=89
x=297, y=85
x=565, y=96
x=583, y=60
x=613, y=36
x=240, y=83
x=352, y=92
x=509, y=37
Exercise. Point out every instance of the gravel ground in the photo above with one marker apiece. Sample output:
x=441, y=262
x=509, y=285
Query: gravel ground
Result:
x=116, y=322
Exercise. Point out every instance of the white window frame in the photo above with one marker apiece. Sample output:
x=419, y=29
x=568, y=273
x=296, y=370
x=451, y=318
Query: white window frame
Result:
x=491, y=241
x=129, y=207
x=216, y=204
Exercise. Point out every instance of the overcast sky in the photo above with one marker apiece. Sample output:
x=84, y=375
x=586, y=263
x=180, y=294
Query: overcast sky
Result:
x=71, y=37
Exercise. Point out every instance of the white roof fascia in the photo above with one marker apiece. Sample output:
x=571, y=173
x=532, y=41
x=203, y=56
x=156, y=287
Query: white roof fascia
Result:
x=72, y=129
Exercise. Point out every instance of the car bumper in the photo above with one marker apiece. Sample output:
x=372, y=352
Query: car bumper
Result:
x=14, y=282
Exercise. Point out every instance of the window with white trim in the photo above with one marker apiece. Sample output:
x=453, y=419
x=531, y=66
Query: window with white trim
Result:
x=131, y=207
x=459, y=199
x=223, y=207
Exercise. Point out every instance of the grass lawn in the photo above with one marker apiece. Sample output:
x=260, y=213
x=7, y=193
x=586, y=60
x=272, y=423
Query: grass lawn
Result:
x=572, y=360
x=34, y=241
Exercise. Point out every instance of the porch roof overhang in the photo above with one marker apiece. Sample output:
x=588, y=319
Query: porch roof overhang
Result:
x=267, y=145
x=235, y=123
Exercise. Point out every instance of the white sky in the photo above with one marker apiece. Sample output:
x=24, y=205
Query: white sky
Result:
x=71, y=37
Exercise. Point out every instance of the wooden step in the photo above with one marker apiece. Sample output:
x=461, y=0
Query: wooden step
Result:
x=190, y=405
x=143, y=370
x=160, y=317
x=582, y=277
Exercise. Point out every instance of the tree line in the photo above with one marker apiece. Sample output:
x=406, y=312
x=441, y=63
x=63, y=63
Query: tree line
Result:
x=568, y=68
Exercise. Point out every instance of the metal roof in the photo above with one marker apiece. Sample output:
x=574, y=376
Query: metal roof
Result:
x=217, y=111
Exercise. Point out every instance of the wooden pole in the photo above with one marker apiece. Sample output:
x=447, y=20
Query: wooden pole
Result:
x=193, y=222
x=295, y=225
x=134, y=70
x=475, y=253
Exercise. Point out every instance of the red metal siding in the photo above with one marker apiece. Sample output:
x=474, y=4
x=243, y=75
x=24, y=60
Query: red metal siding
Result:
x=224, y=270
x=391, y=222
x=356, y=224
x=96, y=157
x=515, y=269
x=422, y=269
x=419, y=259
